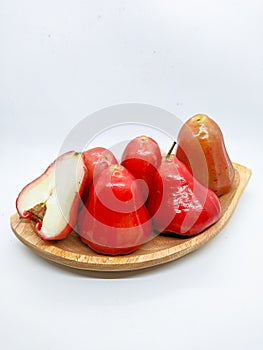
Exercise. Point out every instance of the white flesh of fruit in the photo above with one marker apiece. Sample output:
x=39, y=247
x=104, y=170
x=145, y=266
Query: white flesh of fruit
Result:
x=57, y=189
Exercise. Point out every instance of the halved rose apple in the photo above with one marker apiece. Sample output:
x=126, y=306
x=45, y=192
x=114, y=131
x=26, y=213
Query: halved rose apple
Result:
x=51, y=201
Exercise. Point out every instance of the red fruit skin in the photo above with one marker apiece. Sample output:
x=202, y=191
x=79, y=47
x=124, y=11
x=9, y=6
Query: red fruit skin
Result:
x=114, y=220
x=202, y=149
x=142, y=157
x=96, y=159
x=74, y=208
x=180, y=203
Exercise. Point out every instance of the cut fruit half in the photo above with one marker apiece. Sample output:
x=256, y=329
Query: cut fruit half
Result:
x=51, y=201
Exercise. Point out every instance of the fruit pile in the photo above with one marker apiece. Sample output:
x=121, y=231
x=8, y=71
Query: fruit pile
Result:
x=116, y=207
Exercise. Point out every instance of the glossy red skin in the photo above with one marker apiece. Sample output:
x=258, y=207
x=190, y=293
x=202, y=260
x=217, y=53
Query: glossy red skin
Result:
x=180, y=203
x=96, y=159
x=114, y=220
x=142, y=157
x=65, y=231
x=202, y=149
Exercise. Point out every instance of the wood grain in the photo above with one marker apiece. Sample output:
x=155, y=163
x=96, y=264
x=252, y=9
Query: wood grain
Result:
x=73, y=253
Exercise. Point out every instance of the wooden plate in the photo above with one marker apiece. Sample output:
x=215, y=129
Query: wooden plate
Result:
x=72, y=252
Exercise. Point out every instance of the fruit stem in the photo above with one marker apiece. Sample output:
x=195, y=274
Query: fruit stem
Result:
x=170, y=150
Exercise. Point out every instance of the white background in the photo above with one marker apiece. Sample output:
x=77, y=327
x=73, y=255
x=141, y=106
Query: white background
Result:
x=61, y=61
